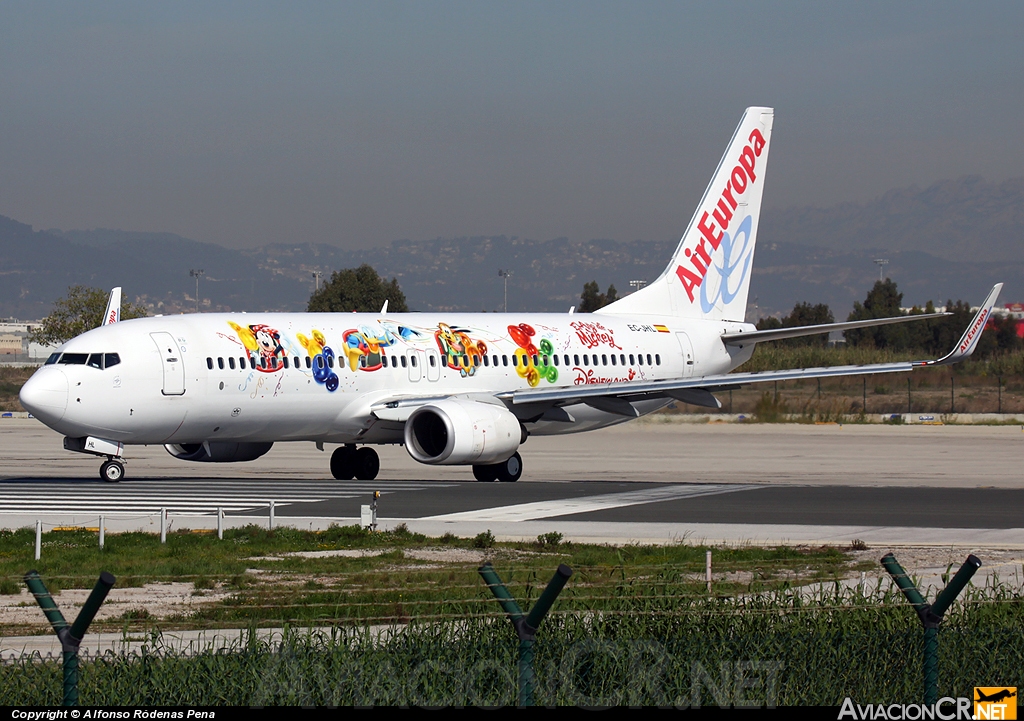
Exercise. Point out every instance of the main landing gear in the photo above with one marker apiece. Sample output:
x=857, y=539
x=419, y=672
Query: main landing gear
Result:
x=348, y=462
x=112, y=470
x=508, y=471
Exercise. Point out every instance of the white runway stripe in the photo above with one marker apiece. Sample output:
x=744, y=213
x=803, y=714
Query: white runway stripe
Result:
x=181, y=497
x=567, y=506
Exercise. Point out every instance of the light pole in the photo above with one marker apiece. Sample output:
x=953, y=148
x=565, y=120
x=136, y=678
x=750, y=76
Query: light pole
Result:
x=637, y=284
x=505, y=274
x=881, y=263
x=196, y=274
x=317, y=274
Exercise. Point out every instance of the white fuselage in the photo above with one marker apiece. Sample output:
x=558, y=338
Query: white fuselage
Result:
x=265, y=377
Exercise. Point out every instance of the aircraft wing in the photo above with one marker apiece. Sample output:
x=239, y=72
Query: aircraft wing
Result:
x=760, y=336
x=615, y=397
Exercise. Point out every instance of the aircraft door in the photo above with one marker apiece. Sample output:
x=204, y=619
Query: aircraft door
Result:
x=433, y=366
x=416, y=359
x=173, y=365
x=687, y=349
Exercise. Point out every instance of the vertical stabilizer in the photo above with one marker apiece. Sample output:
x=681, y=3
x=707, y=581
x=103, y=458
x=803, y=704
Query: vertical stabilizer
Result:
x=113, y=312
x=709, y=274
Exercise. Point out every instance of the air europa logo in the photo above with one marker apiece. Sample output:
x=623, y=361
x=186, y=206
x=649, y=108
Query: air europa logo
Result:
x=979, y=323
x=713, y=228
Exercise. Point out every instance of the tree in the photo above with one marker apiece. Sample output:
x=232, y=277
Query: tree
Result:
x=592, y=297
x=80, y=310
x=357, y=289
x=802, y=314
x=882, y=301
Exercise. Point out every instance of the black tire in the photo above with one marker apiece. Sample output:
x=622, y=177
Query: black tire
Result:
x=485, y=474
x=343, y=463
x=112, y=471
x=511, y=470
x=367, y=464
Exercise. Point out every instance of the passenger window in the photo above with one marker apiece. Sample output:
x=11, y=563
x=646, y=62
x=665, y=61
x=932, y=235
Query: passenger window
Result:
x=613, y=359
x=504, y=360
x=209, y=363
x=567, y=359
x=231, y=363
x=95, y=361
x=319, y=362
x=622, y=359
x=263, y=362
x=433, y=361
x=594, y=359
x=649, y=360
x=604, y=360
x=110, y=360
x=476, y=360
x=330, y=361
x=54, y=357
x=586, y=360
x=657, y=359
x=576, y=359
x=285, y=361
x=632, y=360
x=515, y=360
x=404, y=362
x=555, y=358
x=485, y=361
x=534, y=359
x=220, y=363
x=309, y=362
x=412, y=359
x=252, y=362
x=362, y=361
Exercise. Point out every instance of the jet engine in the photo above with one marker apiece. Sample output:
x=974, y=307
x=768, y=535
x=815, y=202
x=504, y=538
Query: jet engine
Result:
x=218, y=451
x=462, y=432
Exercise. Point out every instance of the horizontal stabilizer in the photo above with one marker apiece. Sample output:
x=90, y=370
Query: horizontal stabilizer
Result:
x=760, y=336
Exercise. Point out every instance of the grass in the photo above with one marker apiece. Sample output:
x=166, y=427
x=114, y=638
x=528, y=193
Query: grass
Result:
x=246, y=580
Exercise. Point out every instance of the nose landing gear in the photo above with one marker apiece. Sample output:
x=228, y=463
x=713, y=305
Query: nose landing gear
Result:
x=112, y=470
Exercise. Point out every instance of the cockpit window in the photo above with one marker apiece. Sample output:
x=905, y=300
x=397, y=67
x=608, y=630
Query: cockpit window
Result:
x=111, y=359
x=95, y=361
x=74, y=359
x=52, y=359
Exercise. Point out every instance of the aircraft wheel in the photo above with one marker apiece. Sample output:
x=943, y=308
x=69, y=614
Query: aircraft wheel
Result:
x=343, y=465
x=485, y=474
x=511, y=470
x=367, y=464
x=112, y=471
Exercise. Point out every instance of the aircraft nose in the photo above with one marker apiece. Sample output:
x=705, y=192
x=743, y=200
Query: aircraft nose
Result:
x=45, y=395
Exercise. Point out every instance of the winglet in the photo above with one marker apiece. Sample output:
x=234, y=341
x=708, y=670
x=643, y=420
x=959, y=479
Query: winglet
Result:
x=113, y=312
x=969, y=340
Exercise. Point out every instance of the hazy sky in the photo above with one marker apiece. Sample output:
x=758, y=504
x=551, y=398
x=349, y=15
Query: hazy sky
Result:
x=356, y=124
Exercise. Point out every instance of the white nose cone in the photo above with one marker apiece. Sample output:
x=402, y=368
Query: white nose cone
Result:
x=45, y=395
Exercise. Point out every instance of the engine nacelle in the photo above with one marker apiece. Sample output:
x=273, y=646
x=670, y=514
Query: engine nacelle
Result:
x=218, y=451
x=461, y=432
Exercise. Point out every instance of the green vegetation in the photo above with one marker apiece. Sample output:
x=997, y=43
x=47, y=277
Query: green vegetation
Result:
x=357, y=289
x=592, y=298
x=391, y=577
x=80, y=310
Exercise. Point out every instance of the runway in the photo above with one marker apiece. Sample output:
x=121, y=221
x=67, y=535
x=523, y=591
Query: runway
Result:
x=644, y=482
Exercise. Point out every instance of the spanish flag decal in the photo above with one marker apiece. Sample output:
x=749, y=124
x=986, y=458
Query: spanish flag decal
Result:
x=661, y=328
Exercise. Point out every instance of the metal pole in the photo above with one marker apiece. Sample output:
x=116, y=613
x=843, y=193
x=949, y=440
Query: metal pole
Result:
x=864, y=405
x=271, y=515
x=102, y=532
x=220, y=523
x=707, y=570
x=908, y=397
x=952, y=404
x=39, y=538
x=163, y=525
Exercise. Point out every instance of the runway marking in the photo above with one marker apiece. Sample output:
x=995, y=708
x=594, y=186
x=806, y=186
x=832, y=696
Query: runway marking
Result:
x=192, y=497
x=568, y=506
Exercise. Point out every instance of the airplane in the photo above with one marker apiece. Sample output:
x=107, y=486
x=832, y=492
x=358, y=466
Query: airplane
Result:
x=453, y=388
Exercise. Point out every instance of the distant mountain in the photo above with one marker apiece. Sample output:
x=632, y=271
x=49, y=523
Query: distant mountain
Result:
x=951, y=240
x=964, y=220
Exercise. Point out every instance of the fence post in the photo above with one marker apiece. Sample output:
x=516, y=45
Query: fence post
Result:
x=271, y=524
x=931, y=615
x=39, y=538
x=525, y=628
x=70, y=637
x=163, y=525
x=220, y=523
x=103, y=528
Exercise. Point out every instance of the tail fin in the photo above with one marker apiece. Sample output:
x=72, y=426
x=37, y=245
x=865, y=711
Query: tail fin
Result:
x=113, y=312
x=709, y=275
